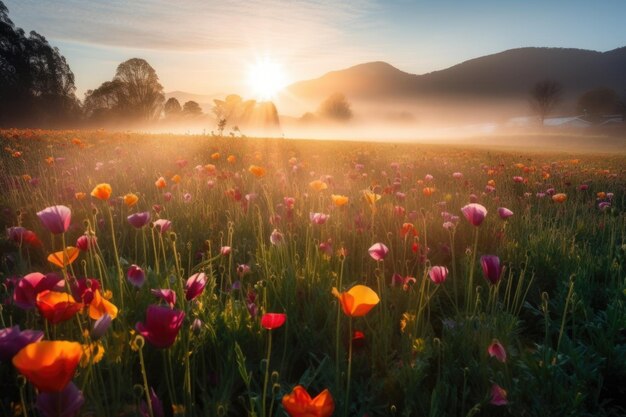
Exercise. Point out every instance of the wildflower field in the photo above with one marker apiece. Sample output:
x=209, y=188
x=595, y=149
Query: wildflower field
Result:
x=159, y=275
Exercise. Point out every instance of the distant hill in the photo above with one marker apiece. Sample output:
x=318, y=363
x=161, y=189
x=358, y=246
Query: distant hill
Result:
x=505, y=75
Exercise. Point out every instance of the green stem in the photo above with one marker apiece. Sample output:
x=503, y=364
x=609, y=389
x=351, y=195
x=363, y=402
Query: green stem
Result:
x=349, y=375
x=144, y=375
x=470, y=282
x=267, y=372
x=120, y=273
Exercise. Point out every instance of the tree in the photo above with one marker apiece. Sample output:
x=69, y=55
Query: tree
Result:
x=192, y=109
x=36, y=83
x=544, y=96
x=142, y=94
x=598, y=102
x=105, y=102
x=336, y=107
x=172, y=108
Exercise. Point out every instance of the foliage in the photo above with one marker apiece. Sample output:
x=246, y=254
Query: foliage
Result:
x=335, y=107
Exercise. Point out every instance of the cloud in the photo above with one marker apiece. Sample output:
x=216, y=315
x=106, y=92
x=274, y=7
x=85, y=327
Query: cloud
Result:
x=192, y=25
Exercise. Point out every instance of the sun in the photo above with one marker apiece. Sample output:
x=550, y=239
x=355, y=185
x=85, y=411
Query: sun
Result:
x=266, y=78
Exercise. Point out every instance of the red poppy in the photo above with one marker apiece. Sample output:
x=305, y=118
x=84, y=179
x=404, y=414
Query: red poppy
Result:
x=271, y=321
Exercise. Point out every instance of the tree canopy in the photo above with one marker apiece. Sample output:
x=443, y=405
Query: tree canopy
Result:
x=335, y=107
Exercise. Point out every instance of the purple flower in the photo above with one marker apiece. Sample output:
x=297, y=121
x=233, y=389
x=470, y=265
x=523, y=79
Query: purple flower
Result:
x=162, y=225
x=139, y=220
x=504, y=213
x=157, y=406
x=101, y=326
x=56, y=218
x=64, y=403
x=195, y=285
x=136, y=276
x=474, y=213
x=161, y=326
x=378, y=251
x=492, y=270
x=438, y=274
x=12, y=340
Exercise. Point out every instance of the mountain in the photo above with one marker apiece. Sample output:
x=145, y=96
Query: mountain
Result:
x=505, y=75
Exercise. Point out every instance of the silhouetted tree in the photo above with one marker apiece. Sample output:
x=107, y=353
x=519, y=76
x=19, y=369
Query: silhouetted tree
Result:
x=192, y=109
x=336, y=107
x=544, y=96
x=105, y=102
x=598, y=102
x=172, y=108
x=36, y=83
x=142, y=94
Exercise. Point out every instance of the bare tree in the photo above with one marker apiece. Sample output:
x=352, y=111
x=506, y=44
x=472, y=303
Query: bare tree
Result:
x=544, y=96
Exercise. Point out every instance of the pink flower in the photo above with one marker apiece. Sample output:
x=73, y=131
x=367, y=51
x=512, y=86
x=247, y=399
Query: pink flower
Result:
x=474, y=213
x=139, y=220
x=136, y=276
x=243, y=269
x=492, y=270
x=518, y=179
x=56, y=218
x=162, y=225
x=438, y=274
x=86, y=242
x=378, y=251
x=318, y=218
x=498, y=395
x=167, y=295
x=195, y=285
x=225, y=250
x=504, y=213
x=271, y=321
x=161, y=326
x=496, y=350
x=25, y=295
x=276, y=238
x=457, y=175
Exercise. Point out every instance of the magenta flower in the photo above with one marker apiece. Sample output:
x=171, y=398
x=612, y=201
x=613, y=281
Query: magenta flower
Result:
x=162, y=225
x=498, y=395
x=161, y=326
x=139, y=220
x=136, y=276
x=25, y=295
x=167, y=295
x=438, y=274
x=12, y=340
x=243, y=269
x=496, y=350
x=492, y=270
x=474, y=213
x=378, y=251
x=504, y=213
x=195, y=285
x=56, y=218
x=66, y=403
x=318, y=218
x=157, y=406
x=86, y=242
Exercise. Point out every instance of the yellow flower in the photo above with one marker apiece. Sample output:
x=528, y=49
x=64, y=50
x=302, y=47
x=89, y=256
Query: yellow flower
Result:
x=318, y=185
x=357, y=301
x=370, y=197
x=92, y=353
x=65, y=257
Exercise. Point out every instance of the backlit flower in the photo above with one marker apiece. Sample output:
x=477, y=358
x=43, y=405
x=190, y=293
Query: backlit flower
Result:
x=130, y=199
x=504, y=213
x=64, y=258
x=438, y=274
x=378, y=251
x=165, y=294
x=162, y=225
x=86, y=242
x=65, y=403
x=299, y=403
x=160, y=183
x=28, y=287
x=496, y=350
x=161, y=326
x=498, y=395
x=271, y=321
x=57, y=307
x=136, y=276
x=139, y=220
x=371, y=197
x=100, y=306
x=49, y=365
x=318, y=185
x=559, y=198
x=257, y=171
x=318, y=218
x=102, y=191
x=339, y=200
x=492, y=270
x=195, y=285
x=357, y=301
x=474, y=213
x=56, y=218
x=276, y=238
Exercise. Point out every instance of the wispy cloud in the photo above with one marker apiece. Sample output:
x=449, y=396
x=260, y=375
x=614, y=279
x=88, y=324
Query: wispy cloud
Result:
x=192, y=25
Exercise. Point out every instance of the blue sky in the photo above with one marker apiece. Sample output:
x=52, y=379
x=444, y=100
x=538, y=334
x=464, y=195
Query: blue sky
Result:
x=207, y=46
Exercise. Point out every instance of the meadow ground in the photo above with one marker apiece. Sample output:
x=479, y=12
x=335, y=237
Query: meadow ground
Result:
x=206, y=276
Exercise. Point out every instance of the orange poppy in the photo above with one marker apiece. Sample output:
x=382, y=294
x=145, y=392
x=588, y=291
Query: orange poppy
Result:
x=231, y=159
x=318, y=185
x=176, y=179
x=300, y=404
x=559, y=198
x=130, y=199
x=160, y=183
x=257, y=171
x=49, y=365
x=100, y=305
x=428, y=191
x=102, y=191
x=64, y=257
x=339, y=200
x=80, y=195
x=57, y=307
x=215, y=156
x=357, y=301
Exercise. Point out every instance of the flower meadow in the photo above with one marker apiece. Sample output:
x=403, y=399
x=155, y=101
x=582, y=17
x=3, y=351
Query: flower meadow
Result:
x=161, y=275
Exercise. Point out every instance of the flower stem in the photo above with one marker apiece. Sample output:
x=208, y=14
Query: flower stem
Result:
x=349, y=375
x=267, y=371
x=144, y=375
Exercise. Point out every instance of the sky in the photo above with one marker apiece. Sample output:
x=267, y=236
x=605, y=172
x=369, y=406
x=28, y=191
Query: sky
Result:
x=208, y=47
